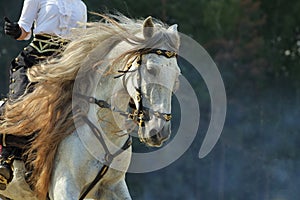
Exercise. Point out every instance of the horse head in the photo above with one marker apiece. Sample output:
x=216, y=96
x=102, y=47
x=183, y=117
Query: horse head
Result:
x=153, y=78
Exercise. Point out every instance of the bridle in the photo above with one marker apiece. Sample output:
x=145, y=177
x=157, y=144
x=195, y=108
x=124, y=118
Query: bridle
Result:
x=138, y=115
x=141, y=114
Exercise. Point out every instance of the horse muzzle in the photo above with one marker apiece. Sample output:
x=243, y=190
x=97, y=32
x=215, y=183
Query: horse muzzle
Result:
x=156, y=136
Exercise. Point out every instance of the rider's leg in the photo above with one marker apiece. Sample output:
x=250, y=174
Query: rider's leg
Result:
x=17, y=86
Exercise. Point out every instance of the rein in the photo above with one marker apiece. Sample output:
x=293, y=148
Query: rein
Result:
x=108, y=155
x=139, y=115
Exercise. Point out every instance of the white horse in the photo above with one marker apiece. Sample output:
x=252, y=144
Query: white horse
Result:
x=126, y=72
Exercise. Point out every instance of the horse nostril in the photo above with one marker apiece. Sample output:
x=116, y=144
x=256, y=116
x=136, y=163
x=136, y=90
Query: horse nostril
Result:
x=153, y=133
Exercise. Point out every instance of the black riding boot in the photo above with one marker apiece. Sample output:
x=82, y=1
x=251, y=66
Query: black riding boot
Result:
x=6, y=168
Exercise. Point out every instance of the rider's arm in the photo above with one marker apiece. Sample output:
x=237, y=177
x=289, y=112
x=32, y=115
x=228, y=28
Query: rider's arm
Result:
x=24, y=35
x=28, y=15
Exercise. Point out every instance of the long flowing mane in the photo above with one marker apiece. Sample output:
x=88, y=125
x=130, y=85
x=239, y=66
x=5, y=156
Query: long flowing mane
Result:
x=47, y=110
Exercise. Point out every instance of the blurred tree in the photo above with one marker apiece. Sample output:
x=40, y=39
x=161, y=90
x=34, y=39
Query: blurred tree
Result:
x=238, y=43
x=283, y=33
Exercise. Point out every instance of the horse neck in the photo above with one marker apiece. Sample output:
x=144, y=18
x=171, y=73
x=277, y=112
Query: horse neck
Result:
x=111, y=90
x=110, y=123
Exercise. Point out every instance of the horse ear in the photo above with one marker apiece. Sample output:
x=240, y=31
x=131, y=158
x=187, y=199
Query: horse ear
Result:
x=148, y=27
x=173, y=28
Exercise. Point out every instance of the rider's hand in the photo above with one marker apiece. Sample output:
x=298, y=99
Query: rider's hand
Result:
x=12, y=28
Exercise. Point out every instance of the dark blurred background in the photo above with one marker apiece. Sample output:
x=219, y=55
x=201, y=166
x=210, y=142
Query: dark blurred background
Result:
x=256, y=46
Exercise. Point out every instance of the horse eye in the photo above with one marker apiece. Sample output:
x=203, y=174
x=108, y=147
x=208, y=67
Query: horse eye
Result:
x=153, y=70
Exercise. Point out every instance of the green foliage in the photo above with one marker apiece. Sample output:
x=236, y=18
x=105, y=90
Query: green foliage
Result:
x=220, y=18
x=283, y=31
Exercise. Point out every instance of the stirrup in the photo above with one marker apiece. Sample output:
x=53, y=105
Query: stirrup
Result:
x=3, y=182
x=7, y=176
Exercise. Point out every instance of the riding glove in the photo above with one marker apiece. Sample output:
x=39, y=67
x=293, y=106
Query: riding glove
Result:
x=12, y=28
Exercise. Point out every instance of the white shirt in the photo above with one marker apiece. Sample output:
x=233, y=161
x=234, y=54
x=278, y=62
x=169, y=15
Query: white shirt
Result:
x=55, y=17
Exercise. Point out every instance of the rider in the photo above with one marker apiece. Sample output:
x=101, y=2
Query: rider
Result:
x=50, y=21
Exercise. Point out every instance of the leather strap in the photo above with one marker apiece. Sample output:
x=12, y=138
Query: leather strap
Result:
x=108, y=156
